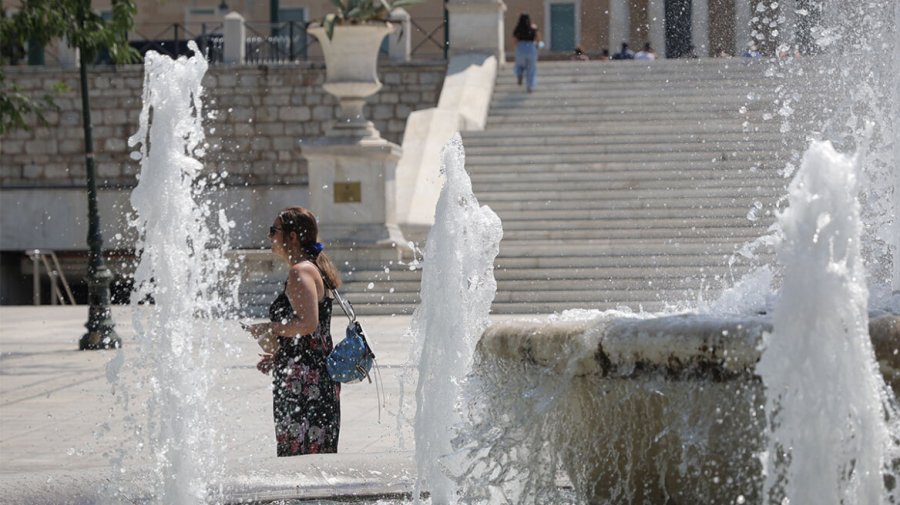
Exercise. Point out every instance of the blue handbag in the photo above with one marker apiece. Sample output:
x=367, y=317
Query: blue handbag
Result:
x=352, y=358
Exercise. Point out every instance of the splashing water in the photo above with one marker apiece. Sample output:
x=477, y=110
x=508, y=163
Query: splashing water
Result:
x=180, y=272
x=848, y=93
x=827, y=438
x=458, y=287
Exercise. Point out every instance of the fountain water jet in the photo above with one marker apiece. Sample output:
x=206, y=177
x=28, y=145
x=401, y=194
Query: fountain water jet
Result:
x=827, y=431
x=180, y=273
x=458, y=287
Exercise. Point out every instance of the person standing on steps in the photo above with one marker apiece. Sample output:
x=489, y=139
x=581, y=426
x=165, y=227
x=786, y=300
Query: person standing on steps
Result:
x=527, y=44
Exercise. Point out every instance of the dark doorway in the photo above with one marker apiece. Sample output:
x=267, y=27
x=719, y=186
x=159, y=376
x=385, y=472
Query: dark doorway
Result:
x=678, y=28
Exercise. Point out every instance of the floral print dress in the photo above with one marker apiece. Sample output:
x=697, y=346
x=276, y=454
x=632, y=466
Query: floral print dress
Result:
x=306, y=400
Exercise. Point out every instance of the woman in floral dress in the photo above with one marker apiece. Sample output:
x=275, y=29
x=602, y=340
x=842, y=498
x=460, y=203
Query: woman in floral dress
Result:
x=306, y=400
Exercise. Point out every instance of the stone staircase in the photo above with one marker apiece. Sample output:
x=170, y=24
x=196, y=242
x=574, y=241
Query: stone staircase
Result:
x=618, y=184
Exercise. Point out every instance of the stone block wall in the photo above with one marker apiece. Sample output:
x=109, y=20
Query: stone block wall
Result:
x=258, y=118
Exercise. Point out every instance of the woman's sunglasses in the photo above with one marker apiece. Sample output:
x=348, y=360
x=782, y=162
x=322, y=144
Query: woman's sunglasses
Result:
x=273, y=230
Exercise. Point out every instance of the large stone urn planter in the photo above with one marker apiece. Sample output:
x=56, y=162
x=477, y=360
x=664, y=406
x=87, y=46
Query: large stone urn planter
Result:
x=351, y=59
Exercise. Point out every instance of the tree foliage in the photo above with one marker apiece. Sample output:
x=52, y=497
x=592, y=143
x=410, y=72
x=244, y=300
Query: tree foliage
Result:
x=71, y=21
x=41, y=21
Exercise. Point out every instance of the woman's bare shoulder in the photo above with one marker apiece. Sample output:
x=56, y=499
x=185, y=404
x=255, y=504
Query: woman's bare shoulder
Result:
x=304, y=270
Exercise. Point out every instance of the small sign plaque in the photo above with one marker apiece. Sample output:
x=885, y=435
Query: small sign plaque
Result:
x=347, y=192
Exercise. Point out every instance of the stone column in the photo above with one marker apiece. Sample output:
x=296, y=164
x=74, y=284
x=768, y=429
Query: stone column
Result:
x=235, y=37
x=700, y=27
x=657, y=11
x=476, y=26
x=742, y=15
x=619, y=24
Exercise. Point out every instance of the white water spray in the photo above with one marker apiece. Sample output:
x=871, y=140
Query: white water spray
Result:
x=827, y=437
x=181, y=268
x=458, y=287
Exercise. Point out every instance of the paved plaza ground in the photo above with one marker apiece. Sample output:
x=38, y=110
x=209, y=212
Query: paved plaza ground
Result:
x=55, y=399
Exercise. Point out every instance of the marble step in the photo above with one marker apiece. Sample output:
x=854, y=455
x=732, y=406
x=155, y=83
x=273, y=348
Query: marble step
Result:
x=614, y=115
x=542, y=195
x=511, y=280
x=553, y=308
x=510, y=104
x=629, y=246
x=646, y=80
x=699, y=171
x=505, y=91
x=749, y=155
x=606, y=108
x=536, y=218
x=628, y=183
x=650, y=280
x=568, y=294
x=504, y=272
x=621, y=126
x=548, y=72
x=566, y=209
x=645, y=166
x=471, y=141
x=648, y=145
x=636, y=223
x=710, y=233
x=660, y=259
x=748, y=104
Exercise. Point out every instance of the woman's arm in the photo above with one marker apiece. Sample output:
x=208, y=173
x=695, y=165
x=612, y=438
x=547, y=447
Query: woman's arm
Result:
x=304, y=297
x=303, y=293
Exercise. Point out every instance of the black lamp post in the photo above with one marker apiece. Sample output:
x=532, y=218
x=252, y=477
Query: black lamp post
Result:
x=101, y=333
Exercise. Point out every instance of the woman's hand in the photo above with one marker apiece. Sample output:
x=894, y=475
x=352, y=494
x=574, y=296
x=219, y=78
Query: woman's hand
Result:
x=257, y=330
x=266, y=363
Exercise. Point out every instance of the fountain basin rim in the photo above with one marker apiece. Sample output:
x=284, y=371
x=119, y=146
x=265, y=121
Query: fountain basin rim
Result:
x=676, y=347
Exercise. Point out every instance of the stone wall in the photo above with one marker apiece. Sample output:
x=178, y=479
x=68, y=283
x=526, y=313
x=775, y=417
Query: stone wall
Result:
x=258, y=119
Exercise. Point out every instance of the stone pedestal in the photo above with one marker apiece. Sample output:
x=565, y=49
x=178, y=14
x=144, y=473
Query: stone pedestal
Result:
x=353, y=192
x=235, y=36
x=476, y=26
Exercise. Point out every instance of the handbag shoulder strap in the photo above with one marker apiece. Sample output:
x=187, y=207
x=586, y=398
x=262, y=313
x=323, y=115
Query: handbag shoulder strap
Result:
x=343, y=302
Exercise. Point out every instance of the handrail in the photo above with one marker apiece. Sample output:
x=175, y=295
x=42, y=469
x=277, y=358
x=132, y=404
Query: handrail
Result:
x=56, y=275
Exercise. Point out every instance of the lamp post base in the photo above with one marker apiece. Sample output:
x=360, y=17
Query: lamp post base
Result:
x=101, y=332
x=99, y=340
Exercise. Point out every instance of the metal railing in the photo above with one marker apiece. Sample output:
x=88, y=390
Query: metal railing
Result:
x=429, y=36
x=51, y=265
x=272, y=43
x=283, y=42
x=172, y=39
